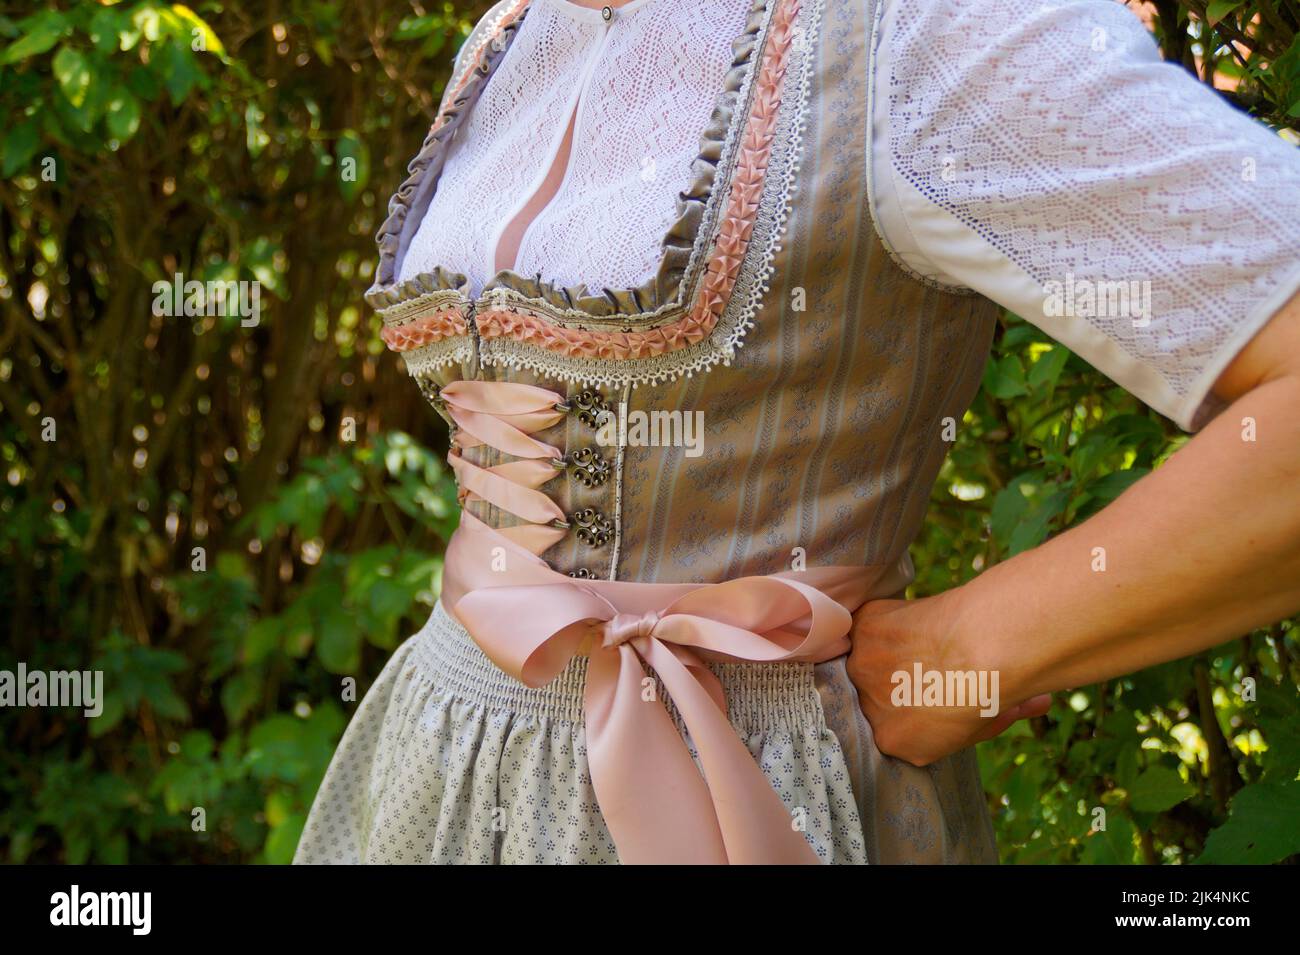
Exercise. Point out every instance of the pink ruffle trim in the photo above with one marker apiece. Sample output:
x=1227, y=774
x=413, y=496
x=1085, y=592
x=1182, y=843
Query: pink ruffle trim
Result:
x=424, y=330
x=526, y=327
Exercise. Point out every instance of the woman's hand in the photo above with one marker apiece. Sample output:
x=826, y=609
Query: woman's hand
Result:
x=893, y=640
x=1202, y=549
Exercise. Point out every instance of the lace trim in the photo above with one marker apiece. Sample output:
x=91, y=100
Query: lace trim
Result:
x=877, y=15
x=660, y=299
x=428, y=319
x=429, y=358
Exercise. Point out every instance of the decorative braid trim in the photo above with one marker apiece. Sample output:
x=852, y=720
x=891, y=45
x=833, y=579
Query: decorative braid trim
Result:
x=783, y=168
x=737, y=226
x=424, y=330
x=530, y=328
x=436, y=300
x=425, y=360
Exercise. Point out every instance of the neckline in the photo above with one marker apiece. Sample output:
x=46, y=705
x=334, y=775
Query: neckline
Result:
x=660, y=299
x=596, y=13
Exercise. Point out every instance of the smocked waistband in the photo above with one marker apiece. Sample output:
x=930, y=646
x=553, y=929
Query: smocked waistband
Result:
x=761, y=697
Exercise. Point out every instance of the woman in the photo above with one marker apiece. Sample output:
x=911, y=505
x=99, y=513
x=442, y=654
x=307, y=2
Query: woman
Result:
x=640, y=649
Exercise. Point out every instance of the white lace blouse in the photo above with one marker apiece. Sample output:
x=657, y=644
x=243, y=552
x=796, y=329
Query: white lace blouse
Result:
x=639, y=89
x=1039, y=153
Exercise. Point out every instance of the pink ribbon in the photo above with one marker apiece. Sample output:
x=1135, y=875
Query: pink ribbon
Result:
x=531, y=621
x=503, y=415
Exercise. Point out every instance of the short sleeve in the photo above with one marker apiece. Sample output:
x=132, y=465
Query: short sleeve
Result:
x=1042, y=154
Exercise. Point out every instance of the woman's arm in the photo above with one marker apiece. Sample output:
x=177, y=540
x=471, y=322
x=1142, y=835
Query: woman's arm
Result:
x=1201, y=550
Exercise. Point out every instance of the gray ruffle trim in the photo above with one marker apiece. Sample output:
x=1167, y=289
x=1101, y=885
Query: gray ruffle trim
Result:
x=416, y=190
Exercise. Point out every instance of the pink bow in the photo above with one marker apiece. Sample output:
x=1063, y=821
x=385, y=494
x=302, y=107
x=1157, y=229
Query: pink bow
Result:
x=531, y=621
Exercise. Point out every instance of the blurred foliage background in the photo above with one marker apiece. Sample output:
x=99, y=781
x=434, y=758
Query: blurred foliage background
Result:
x=237, y=525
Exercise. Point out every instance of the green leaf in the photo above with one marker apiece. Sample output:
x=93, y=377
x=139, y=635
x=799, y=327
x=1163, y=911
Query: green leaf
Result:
x=1263, y=827
x=1277, y=720
x=1012, y=503
x=147, y=21
x=113, y=850
x=338, y=642
x=1033, y=529
x=1112, y=485
x=105, y=26
x=1106, y=488
x=182, y=73
x=1218, y=9
x=255, y=137
x=232, y=565
x=283, y=840
x=73, y=73
x=197, y=744
x=201, y=35
x=19, y=145
x=1158, y=789
x=76, y=846
x=412, y=28
x=1113, y=845
x=1047, y=369
x=123, y=115
x=1023, y=511
x=40, y=32
x=112, y=713
x=240, y=694
x=1126, y=766
x=262, y=639
x=265, y=259
x=1005, y=378
x=388, y=598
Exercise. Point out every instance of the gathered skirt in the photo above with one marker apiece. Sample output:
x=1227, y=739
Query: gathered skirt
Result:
x=449, y=760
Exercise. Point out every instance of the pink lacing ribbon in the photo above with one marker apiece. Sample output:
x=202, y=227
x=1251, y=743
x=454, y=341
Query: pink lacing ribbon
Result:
x=504, y=415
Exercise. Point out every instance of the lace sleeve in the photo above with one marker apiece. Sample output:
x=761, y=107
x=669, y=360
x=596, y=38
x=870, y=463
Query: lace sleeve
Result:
x=1041, y=153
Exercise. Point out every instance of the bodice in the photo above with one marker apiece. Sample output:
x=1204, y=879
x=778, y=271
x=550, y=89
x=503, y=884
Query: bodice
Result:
x=772, y=396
